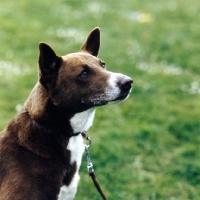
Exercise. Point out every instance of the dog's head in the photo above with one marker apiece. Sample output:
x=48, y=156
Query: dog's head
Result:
x=79, y=81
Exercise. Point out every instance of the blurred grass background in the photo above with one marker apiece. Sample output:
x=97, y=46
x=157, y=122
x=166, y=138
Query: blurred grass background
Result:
x=147, y=147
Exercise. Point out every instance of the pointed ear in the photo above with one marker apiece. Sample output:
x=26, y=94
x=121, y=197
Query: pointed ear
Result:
x=49, y=62
x=92, y=44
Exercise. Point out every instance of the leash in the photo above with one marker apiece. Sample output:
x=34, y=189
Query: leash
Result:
x=89, y=163
x=91, y=169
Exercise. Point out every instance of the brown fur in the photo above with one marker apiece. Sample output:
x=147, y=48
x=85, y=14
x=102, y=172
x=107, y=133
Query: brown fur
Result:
x=34, y=161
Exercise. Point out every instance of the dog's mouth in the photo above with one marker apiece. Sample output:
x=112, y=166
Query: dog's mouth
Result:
x=101, y=102
x=120, y=98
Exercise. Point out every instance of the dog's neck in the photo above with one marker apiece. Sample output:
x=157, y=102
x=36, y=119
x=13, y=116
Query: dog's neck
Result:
x=38, y=103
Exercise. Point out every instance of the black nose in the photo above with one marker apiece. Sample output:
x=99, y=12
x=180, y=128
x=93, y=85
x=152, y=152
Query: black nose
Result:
x=125, y=83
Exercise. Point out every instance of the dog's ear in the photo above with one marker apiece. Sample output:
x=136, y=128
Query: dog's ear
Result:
x=92, y=43
x=49, y=62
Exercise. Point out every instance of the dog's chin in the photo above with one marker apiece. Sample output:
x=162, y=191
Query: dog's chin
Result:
x=101, y=102
x=119, y=99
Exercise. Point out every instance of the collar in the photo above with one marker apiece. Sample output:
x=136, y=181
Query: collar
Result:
x=75, y=134
x=50, y=127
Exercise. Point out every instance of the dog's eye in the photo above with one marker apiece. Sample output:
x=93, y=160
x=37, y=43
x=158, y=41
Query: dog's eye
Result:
x=84, y=74
x=103, y=64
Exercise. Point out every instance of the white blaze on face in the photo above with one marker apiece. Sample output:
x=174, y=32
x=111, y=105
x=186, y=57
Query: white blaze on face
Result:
x=112, y=90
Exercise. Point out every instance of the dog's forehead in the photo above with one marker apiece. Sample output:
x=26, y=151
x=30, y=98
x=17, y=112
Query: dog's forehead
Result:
x=80, y=58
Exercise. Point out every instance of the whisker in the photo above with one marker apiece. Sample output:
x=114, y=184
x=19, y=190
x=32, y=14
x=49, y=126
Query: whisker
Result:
x=105, y=109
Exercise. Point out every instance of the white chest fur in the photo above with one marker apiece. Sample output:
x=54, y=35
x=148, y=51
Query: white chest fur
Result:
x=80, y=122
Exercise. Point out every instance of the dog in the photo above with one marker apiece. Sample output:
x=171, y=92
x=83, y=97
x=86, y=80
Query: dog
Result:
x=42, y=147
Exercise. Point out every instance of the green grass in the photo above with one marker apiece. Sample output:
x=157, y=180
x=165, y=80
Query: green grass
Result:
x=147, y=147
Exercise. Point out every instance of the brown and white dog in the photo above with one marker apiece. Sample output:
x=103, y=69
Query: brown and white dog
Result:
x=41, y=148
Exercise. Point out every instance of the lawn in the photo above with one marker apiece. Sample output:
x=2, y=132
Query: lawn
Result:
x=146, y=148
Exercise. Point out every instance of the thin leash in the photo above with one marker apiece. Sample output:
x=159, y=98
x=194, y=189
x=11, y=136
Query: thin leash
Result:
x=91, y=169
x=89, y=163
